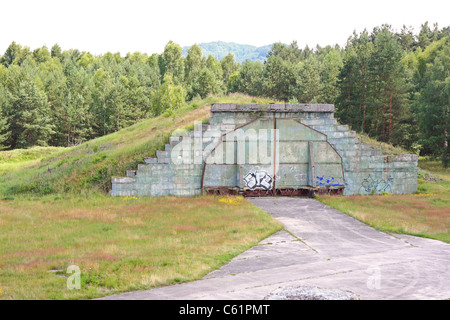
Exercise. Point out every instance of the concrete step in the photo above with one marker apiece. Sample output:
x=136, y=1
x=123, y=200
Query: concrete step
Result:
x=371, y=152
x=149, y=160
x=122, y=180
x=366, y=146
x=131, y=173
x=163, y=156
x=344, y=140
x=331, y=128
x=340, y=134
x=174, y=140
x=319, y=122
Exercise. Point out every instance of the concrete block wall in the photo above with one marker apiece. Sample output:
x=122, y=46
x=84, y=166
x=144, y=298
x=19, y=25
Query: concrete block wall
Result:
x=366, y=169
x=160, y=176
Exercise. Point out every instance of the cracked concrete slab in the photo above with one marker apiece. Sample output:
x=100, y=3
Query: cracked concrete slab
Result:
x=322, y=247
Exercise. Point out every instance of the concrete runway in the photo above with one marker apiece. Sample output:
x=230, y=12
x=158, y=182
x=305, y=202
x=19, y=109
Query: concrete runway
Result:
x=326, y=248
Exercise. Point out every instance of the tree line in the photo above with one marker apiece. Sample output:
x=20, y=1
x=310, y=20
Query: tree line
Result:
x=392, y=85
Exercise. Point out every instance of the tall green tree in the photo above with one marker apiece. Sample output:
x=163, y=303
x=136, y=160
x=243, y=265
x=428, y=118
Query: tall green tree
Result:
x=407, y=38
x=206, y=83
x=331, y=66
x=229, y=66
x=171, y=61
x=56, y=51
x=168, y=96
x=78, y=117
x=41, y=55
x=433, y=105
x=215, y=67
x=4, y=126
x=309, y=86
x=279, y=78
x=354, y=81
x=55, y=85
x=195, y=62
x=347, y=101
x=29, y=117
x=15, y=54
x=388, y=91
x=103, y=103
x=249, y=79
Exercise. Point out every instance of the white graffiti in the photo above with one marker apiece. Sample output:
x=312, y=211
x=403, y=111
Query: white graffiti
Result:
x=258, y=179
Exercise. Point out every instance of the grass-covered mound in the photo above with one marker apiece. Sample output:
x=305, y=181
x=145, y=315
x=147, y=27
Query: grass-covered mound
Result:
x=88, y=167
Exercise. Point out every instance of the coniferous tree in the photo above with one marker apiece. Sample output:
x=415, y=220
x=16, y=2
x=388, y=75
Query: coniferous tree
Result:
x=229, y=66
x=171, y=61
x=29, y=117
x=433, y=104
x=387, y=88
x=308, y=81
x=4, y=126
x=331, y=65
x=194, y=64
x=279, y=78
x=249, y=79
x=168, y=96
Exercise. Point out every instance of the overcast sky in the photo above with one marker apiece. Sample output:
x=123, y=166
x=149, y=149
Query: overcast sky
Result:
x=135, y=25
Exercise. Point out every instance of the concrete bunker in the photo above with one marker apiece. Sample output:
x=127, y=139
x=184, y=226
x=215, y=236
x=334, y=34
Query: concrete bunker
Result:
x=273, y=149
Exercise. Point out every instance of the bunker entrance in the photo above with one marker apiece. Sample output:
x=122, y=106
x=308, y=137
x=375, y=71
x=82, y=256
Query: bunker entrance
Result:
x=273, y=157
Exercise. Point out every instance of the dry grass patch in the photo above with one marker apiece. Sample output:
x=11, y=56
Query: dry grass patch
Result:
x=119, y=245
x=426, y=213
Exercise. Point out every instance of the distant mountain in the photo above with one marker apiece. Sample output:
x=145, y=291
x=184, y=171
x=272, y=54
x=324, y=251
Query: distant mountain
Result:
x=242, y=52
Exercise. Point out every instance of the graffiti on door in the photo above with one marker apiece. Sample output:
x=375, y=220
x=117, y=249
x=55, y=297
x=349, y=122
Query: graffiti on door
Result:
x=258, y=179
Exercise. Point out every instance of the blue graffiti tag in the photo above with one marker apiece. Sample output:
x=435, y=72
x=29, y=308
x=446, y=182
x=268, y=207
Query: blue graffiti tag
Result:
x=329, y=181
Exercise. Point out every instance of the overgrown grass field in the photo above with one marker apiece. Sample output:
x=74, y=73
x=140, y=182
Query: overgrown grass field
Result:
x=55, y=212
x=120, y=244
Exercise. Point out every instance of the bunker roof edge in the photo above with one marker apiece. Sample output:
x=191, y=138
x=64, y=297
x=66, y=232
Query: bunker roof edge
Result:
x=272, y=107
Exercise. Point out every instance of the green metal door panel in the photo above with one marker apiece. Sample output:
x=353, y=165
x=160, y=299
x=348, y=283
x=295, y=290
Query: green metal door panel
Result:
x=220, y=176
x=324, y=153
x=289, y=130
x=253, y=130
x=229, y=152
x=293, y=152
x=256, y=177
x=292, y=176
x=248, y=152
x=329, y=175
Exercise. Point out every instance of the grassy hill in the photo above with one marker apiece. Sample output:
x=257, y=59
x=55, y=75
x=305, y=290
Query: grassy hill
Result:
x=88, y=167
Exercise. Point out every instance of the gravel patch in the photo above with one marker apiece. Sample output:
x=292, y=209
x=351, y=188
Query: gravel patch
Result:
x=310, y=293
